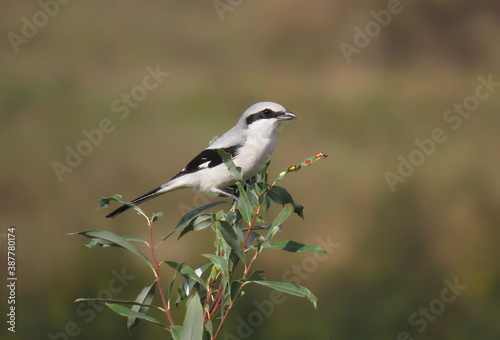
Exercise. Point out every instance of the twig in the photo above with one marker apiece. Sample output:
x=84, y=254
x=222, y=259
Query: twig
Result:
x=250, y=225
x=156, y=270
x=231, y=303
x=217, y=301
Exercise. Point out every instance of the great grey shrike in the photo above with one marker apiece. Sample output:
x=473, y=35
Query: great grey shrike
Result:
x=250, y=142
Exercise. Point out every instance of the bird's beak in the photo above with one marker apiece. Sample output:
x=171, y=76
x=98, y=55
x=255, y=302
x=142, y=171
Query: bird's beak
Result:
x=287, y=116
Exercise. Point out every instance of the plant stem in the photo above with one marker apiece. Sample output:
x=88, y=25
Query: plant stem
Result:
x=231, y=303
x=216, y=302
x=250, y=226
x=156, y=270
x=209, y=299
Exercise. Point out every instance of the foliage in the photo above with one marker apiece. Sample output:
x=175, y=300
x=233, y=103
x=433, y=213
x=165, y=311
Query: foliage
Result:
x=210, y=291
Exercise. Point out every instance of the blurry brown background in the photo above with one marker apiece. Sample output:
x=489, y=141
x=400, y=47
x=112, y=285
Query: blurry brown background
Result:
x=396, y=252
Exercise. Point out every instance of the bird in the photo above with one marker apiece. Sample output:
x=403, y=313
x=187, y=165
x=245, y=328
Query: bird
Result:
x=250, y=142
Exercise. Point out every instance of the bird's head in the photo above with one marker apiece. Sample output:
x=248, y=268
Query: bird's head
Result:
x=265, y=117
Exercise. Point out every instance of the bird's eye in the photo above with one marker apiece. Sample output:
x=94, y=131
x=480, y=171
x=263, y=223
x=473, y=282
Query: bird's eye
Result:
x=267, y=112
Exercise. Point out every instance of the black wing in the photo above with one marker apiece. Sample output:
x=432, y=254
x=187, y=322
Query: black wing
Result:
x=208, y=158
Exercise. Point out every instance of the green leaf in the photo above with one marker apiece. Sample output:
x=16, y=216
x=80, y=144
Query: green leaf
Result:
x=254, y=237
x=290, y=288
x=156, y=216
x=281, y=196
x=145, y=297
x=235, y=291
x=109, y=238
x=92, y=244
x=263, y=176
x=298, y=209
x=192, y=329
x=282, y=216
x=104, y=203
x=119, y=302
x=232, y=217
x=295, y=247
x=175, y=265
x=176, y=332
x=133, y=239
x=219, y=262
x=191, y=275
x=214, y=138
x=233, y=169
x=245, y=207
x=182, y=294
x=198, y=223
x=208, y=331
x=233, y=239
x=124, y=311
x=256, y=275
x=186, y=219
x=192, y=278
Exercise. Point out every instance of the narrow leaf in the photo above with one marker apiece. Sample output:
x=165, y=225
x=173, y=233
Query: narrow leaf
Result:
x=232, y=239
x=282, y=216
x=124, y=311
x=198, y=223
x=145, y=297
x=257, y=275
x=192, y=329
x=134, y=239
x=298, y=209
x=104, y=203
x=263, y=176
x=252, y=237
x=244, y=205
x=176, y=332
x=228, y=161
x=281, y=196
x=186, y=219
x=175, y=265
x=107, y=236
x=120, y=302
x=219, y=262
x=191, y=275
x=295, y=247
x=290, y=288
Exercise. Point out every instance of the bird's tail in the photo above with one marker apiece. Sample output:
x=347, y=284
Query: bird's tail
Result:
x=152, y=194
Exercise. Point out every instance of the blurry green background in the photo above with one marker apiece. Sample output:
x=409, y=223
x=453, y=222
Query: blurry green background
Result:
x=394, y=252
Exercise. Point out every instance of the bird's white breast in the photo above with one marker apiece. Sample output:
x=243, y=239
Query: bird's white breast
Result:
x=254, y=153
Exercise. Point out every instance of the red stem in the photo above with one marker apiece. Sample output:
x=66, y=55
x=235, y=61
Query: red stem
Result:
x=216, y=303
x=156, y=269
x=245, y=273
x=250, y=226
